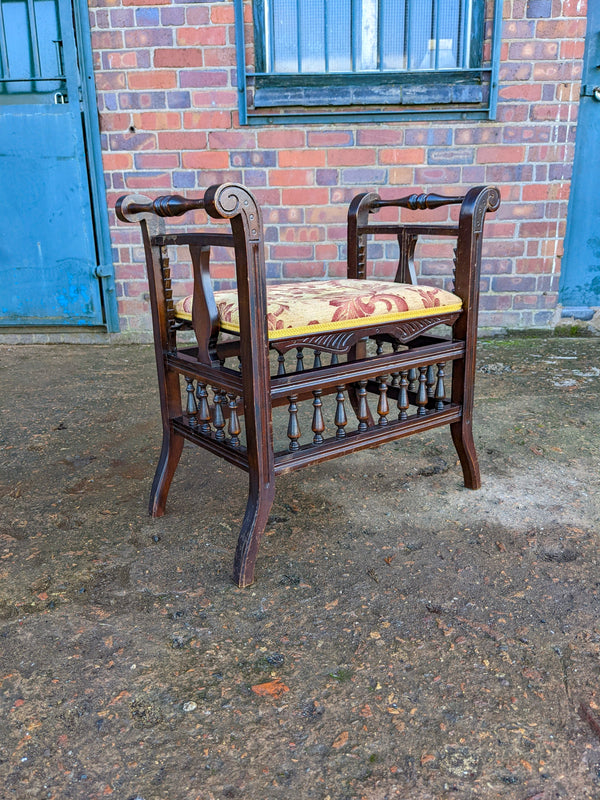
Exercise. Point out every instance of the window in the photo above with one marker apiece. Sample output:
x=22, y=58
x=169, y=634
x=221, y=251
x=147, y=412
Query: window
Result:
x=31, y=68
x=367, y=58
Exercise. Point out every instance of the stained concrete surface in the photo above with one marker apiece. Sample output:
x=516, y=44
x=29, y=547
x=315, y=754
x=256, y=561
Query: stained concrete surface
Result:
x=406, y=637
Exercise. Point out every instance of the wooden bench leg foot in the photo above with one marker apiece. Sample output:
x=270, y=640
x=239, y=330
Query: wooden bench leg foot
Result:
x=462, y=436
x=170, y=454
x=259, y=505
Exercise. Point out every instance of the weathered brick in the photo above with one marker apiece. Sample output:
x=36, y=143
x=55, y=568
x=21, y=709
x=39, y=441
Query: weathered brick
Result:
x=402, y=155
x=149, y=83
x=154, y=79
x=177, y=57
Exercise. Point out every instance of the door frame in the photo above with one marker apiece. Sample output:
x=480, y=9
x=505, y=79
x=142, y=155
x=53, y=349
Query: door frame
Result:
x=582, y=312
x=91, y=136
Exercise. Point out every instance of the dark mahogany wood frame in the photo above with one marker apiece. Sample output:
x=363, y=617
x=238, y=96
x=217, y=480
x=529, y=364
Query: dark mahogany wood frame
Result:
x=414, y=346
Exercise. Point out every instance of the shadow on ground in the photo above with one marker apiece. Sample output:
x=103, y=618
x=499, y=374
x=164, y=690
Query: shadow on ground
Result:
x=406, y=638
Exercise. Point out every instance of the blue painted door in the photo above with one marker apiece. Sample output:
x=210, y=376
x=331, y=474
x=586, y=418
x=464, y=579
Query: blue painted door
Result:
x=48, y=254
x=580, y=274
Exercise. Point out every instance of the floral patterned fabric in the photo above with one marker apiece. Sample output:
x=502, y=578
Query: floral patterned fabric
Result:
x=321, y=306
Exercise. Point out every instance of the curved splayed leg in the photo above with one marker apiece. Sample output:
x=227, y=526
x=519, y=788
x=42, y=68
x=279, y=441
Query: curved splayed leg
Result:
x=462, y=436
x=170, y=454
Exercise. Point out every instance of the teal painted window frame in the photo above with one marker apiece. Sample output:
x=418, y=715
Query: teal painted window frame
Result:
x=270, y=97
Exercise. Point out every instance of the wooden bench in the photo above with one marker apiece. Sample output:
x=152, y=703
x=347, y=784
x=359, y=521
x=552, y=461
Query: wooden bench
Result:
x=369, y=339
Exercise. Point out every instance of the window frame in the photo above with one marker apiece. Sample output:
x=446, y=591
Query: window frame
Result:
x=369, y=96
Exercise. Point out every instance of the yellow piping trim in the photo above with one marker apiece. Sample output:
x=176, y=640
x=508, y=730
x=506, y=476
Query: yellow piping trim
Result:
x=343, y=324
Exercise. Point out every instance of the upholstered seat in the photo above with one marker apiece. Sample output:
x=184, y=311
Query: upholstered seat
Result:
x=295, y=309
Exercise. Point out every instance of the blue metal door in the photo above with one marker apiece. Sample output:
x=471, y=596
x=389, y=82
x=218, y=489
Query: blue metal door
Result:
x=580, y=274
x=48, y=250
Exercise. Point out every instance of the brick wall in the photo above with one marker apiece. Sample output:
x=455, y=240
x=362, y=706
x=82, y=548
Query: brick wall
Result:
x=165, y=74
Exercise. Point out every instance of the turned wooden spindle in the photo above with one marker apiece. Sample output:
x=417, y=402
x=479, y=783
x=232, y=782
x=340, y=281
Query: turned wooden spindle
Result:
x=430, y=382
x=403, y=402
x=317, y=361
x=379, y=350
x=299, y=359
x=280, y=364
x=440, y=389
x=383, y=407
x=340, y=413
x=422, y=392
x=334, y=359
x=191, y=408
x=318, y=423
x=362, y=412
x=293, y=430
x=234, y=421
x=218, y=417
x=203, y=408
x=412, y=379
x=395, y=375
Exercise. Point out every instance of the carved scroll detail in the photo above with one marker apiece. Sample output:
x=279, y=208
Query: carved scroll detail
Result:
x=230, y=199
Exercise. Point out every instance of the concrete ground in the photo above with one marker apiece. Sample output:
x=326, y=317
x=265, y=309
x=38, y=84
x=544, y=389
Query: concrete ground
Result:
x=406, y=638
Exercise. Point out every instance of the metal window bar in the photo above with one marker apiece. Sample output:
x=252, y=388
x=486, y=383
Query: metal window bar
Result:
x=33, y=39
x=3, y=47
x=299, y=30
x=407, y=28
x=435, y=23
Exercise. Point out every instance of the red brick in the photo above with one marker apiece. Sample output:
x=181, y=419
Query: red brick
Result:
x=113, y=161
x=522, y=91
x=107, y=40
x=157, y=160
x=301, y=233
x=191, y=37
x=197, y=15
x=206, y=120
x=222, y=14
x=153, y=79
x=297, y=197
x=301, y=158
x=291, y=177
x=219, y=56
x=110, y=81
x=402, y=155
x=303, y=269
x=122, y=60
x=501, y=154
x=208, y=159
x=327, y=252
x=274, y=138
x=351, y=157
x=182, y=141
x=214, y=98
x=157, y=121
x=283, y=252
x=111, y=121
x=232, y=140
x=146, y=2
x=379, y=136
x=177, y=57
x=560, y=28
x=330, y=138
